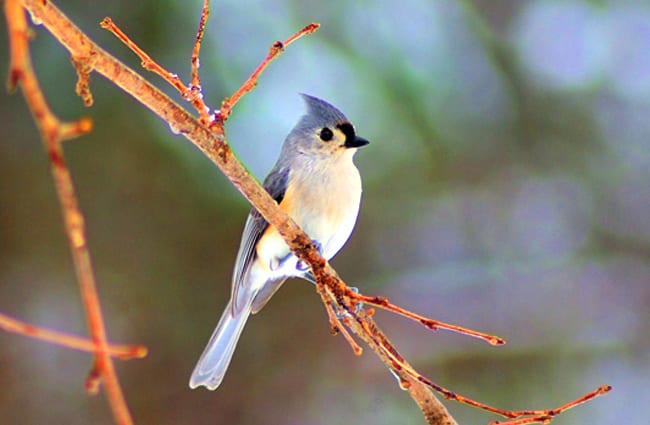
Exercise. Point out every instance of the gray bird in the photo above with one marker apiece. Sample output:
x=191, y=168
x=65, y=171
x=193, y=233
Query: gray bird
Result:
x=315, y=182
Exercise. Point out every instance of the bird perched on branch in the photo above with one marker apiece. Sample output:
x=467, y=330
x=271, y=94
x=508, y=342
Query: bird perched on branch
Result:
x=315, y=182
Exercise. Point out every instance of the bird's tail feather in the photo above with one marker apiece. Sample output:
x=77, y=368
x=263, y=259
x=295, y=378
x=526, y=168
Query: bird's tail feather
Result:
x=213, y=363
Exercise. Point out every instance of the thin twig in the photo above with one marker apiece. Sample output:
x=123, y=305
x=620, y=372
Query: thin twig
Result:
x=364, y=326
x=194, y=61
x=383, y=303
x=146, y=61
x=53, y=133
x=537, y=414
x=192, y=94
x=83, y=80
x=347, y=304
x=545, y=416
x=525, y=421
x=335, y=321
x=276, y=49
x=360, y=321
x=122, y=352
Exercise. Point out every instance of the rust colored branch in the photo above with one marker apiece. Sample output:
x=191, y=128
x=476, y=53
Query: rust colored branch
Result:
x=54, y=133
x=276, y=49
x=335, y=322
x=83, y=68
x=546, y=416
x=194, y=60
x=146, y=61
x=365, y=328
x=192, y=93
x=209, y=136
x=21, y=73
x=122, y=352
x=434, y=325
x=341, y=301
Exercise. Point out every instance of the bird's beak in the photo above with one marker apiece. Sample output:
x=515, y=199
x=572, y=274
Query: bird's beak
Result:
x=357, y=142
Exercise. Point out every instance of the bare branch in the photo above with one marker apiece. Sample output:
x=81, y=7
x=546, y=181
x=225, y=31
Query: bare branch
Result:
x=81, y=65
x=276, y=49
x=53, y=133
x=434, y=325
x=122, y=352
x=194, y=61
x=546, y=416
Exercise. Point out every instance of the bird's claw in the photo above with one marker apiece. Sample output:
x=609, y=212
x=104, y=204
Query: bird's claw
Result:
x=341, y=313
x=359, y=306
x=301, y=265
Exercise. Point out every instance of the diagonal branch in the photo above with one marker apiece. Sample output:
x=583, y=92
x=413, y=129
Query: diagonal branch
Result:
x=276, y=49
x=123, y=352
x=383, y=303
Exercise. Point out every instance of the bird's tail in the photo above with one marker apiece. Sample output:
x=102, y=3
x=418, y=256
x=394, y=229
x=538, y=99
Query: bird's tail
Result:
x=212, y=366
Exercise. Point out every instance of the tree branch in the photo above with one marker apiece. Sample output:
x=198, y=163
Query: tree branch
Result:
x=53, y=133
x=342, y=304
x=123, y=352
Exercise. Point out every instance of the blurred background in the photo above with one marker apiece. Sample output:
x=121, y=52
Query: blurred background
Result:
x=507, y=188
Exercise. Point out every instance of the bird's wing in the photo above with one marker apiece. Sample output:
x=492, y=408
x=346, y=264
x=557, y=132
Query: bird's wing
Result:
x=276, y=185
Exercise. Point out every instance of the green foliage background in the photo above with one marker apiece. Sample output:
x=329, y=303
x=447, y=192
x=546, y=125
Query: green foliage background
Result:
x=507, y=188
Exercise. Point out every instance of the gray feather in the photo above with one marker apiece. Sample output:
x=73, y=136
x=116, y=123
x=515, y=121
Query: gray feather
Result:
x=264, y=295
x=276, y=185
x=323, y=112
x=215, y=359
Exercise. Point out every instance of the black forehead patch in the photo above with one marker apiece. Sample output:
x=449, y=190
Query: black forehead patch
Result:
x=347, y=129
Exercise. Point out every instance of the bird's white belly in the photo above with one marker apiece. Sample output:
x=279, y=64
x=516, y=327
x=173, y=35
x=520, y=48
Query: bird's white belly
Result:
x=329, y=213
x=325, y=206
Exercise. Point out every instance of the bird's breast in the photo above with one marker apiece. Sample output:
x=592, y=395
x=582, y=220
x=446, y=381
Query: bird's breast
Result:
x=325, y=203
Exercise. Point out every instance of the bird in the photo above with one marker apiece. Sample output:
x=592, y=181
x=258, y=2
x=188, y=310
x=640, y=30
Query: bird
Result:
x=314, y=181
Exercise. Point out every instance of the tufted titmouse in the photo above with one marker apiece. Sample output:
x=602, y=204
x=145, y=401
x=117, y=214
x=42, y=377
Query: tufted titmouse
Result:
x=315, y=182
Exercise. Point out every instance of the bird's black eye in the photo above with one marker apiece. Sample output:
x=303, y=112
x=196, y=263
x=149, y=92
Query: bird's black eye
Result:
x=326, y=134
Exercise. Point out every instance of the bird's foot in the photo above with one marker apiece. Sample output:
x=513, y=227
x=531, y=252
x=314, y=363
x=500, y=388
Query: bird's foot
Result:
x=341, y=313
x=301, y=265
